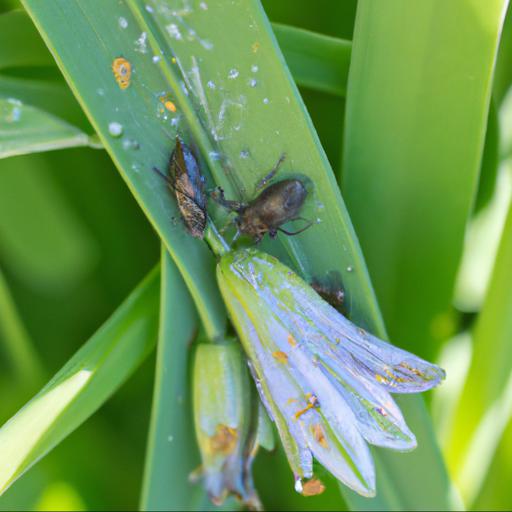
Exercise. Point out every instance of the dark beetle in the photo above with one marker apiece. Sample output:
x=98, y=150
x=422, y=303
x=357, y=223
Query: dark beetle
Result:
x=277, y=204
x=187, y=182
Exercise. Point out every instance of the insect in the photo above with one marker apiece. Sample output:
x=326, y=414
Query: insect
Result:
x=187, y=182
x=122, y=70
x=277, y=204
x=330, y=290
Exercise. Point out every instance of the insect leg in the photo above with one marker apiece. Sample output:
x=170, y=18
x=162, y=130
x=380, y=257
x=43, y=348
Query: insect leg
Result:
x=218, y=196
x=235, y=238
x=162, y=175
x=271, y=174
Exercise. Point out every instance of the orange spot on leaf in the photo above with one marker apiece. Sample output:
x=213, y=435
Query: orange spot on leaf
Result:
x=122, y=70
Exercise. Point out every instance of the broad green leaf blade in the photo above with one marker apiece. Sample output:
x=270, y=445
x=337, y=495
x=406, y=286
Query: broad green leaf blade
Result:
x=25, y=129
x=316, y=61
x=485, y=406
x=84, y=383
x=417, y=107
x=136, y=128
x=172, y=453
x=417, y=110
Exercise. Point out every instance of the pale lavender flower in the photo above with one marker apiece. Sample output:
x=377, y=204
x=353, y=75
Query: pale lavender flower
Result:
x=325, y=382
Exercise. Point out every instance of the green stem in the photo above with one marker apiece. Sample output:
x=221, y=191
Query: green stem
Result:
x=215, y=240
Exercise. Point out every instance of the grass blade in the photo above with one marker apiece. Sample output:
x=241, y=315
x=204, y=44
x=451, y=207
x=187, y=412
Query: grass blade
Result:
x=83, y=383
x=316, y=61
x=485, y=406
x=120, y=117
x=29, y=130
x=416, y=123
x=18, y=346
x=172, y=451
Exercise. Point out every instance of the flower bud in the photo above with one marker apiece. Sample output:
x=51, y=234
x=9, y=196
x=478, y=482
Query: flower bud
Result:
x=223, y=416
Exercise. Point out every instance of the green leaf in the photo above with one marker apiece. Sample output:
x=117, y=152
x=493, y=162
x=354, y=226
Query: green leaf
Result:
x=83, y=384
x=490, y=160
x=417, y=107
x=26, y=127
x=485, y=405
x=18, y=345
x=172, y=452
x=417, y=112
x=133, y=124
x=316, y=61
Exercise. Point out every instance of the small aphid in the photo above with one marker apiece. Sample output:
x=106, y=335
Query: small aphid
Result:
x=122, y=72
x=187, y=182
x=276, y=205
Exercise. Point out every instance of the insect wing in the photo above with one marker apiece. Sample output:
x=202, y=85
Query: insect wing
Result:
x=187, y=181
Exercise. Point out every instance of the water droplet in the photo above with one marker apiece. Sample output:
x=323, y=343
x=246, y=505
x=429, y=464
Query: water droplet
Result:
x=12, y=113
x=156, y=58
x=254, y=68
x=175, y=121
x=100, y=91
x=123, y=22
x=350, y=268
x=141, y=43
x=253, y=82
x=170, y=439
x=115, y=129
x=174, y=31
x=244, y=154
x=130, y=144
x=233, y=73
x=210, y=84
x=266, y=101
x=135, y=168
x=203, y=6
x=214, y=155
x=149, y=8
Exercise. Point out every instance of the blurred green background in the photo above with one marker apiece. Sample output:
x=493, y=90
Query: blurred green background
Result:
x=74, y=243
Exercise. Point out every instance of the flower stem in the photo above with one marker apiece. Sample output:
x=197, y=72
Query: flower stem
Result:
x=215, y=240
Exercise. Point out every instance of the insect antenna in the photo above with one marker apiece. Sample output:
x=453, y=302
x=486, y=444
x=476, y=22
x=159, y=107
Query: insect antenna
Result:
x=292, y=233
